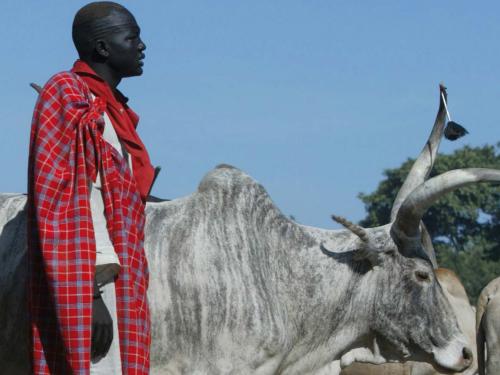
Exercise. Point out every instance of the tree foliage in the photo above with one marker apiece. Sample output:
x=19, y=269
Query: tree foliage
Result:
x=464, y=225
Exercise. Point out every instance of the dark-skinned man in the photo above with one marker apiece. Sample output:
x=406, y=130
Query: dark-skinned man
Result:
x=89, y=177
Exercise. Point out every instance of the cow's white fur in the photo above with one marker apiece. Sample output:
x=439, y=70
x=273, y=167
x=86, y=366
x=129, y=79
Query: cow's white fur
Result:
x=236, y=287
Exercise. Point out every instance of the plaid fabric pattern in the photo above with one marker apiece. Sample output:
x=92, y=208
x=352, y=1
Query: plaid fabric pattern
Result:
x=66, y=151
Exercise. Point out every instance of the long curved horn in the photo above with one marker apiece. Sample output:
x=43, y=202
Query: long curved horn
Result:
x=421, y=198
x=425, y=161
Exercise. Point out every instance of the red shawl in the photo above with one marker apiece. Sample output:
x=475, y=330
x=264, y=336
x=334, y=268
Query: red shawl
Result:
x=66, y=152
x=124, y=121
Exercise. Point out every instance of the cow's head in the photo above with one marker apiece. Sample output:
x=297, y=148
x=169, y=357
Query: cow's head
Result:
x=410, y=317
x=408, y=313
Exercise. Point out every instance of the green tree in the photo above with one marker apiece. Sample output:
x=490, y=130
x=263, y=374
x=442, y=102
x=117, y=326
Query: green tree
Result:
x=464, y=225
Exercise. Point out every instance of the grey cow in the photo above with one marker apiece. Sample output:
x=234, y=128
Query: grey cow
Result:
x=238, y=288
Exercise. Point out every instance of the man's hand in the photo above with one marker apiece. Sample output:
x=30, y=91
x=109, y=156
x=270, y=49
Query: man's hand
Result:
x=102, y=329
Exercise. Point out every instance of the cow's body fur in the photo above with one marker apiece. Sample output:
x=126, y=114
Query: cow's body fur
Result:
x=275, y=271
x=236, y=287
x=14, y=342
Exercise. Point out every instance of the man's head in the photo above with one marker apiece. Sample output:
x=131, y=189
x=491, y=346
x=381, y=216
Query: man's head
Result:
x=107, y=33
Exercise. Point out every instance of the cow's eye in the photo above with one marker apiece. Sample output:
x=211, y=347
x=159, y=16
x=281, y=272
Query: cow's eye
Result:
x=422, y=276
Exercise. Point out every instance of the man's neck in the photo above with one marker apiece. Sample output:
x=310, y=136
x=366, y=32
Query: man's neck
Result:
x=105, y=73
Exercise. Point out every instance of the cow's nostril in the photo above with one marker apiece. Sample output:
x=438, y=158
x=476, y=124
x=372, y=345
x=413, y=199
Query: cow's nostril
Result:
x=467, y=354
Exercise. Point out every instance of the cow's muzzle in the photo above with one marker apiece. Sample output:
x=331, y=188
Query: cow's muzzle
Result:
x=456, y=356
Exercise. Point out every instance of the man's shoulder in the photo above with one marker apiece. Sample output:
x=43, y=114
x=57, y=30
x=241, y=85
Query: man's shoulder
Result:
x=65, y=84
x=65, y=78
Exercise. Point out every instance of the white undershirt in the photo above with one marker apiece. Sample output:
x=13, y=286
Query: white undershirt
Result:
x=107, y=262
x=105, y=252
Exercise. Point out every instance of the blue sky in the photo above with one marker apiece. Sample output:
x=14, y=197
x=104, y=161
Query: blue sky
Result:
x=314, y=99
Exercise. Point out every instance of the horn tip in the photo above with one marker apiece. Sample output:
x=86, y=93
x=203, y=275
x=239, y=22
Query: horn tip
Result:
x=338, y=219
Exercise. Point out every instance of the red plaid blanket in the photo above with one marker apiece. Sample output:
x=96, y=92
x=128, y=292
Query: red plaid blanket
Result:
x=66, y=151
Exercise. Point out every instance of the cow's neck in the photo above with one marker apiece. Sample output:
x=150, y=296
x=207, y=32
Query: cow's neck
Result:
x=330, y=295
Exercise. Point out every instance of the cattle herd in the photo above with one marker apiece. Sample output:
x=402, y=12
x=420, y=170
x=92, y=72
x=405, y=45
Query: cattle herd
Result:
x=236, y=287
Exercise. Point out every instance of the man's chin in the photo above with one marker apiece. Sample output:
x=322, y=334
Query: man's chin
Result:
x=137, y=72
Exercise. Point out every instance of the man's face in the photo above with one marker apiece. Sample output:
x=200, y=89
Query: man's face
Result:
x=125, y=48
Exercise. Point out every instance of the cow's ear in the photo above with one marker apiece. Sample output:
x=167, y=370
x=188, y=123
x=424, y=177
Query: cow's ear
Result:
x=362, y=254
x=375, y=257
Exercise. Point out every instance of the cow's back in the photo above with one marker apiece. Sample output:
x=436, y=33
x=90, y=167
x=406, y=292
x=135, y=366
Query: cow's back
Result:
x=211, y=284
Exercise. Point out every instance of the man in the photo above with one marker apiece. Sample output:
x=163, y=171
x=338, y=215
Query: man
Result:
x=89, y=176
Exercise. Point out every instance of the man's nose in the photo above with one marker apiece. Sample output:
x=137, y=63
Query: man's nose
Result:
x=142, y=45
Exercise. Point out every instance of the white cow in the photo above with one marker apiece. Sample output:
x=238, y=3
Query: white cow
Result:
x=238, y=288
x=488, y=328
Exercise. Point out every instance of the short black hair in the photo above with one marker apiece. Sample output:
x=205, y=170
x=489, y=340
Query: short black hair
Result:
x=89, y=19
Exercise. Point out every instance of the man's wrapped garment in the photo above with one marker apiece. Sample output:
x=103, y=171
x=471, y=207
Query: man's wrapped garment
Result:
x=66, y=152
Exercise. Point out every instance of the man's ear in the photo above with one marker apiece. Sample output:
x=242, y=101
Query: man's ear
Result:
x=101, y=48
